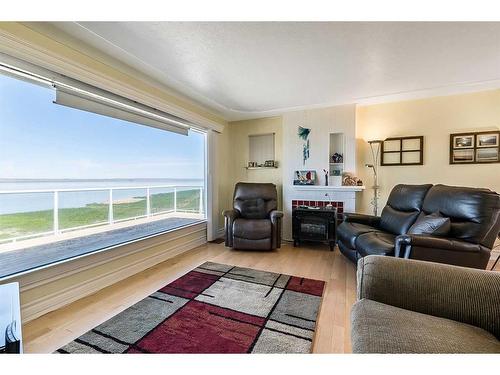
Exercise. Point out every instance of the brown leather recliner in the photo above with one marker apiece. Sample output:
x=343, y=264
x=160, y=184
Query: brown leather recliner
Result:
x=254, y=222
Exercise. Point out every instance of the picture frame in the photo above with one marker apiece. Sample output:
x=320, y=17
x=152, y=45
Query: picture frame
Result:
x=463, y=141
x=487, y=155
x=463, y=155
x=305, y=177
x=402, y=151
x=487, y=140
x=475, y=147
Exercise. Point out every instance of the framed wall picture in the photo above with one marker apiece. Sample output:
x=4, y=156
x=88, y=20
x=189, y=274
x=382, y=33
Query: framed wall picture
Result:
x=402, y=151
x=486, y=155
x=306, y=177
x=463, y=141
x=463, y=155
x=475, y=147
x=487, y=140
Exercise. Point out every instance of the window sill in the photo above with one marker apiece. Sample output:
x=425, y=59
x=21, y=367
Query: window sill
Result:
x=23, y=261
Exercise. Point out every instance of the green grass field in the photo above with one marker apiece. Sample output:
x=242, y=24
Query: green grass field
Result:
x=27, y=223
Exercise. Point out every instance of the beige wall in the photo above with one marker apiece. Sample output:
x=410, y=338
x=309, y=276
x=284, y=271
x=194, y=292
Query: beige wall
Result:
x=434, y=118
x=237, y=157
x=224, y=179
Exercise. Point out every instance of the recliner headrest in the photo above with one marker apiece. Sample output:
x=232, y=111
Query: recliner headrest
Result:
x=255, y=200
x=251, y=190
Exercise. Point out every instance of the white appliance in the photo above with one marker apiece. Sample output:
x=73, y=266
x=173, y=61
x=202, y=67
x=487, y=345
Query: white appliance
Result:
x=10, y=315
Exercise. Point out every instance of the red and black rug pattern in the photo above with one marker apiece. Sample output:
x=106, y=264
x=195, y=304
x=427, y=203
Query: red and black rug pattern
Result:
x=215, y=308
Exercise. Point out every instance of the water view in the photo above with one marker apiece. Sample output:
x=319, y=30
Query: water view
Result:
x=81, y=172
x=35, y=207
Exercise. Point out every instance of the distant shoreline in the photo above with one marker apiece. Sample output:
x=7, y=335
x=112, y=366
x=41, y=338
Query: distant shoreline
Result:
x=18, y=224
x=38, y=197
x=20, y=180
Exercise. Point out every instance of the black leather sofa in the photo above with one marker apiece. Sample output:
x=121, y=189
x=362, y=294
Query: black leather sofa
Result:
x=474, y=223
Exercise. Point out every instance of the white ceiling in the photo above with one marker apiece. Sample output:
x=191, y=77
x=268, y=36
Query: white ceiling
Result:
x=252, y=69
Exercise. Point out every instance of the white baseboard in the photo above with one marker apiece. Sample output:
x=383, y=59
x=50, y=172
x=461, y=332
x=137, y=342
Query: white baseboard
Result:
x=49, y=302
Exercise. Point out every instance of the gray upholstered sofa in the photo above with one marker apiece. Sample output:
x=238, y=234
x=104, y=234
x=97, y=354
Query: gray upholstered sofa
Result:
x=411, y=306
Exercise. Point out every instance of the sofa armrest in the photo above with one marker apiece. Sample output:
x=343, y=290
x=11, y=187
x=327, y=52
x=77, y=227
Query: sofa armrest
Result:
x=370, y=220
x=463, y=294
x=438, y=243
x=276, y=217
x=231, y=214
x=442, y=250
x=229, y=217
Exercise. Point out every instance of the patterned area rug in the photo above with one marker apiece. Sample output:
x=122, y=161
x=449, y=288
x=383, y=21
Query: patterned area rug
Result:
x=215, y=308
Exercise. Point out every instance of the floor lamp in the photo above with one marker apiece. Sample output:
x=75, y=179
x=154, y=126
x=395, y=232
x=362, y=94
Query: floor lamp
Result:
x=375, y=149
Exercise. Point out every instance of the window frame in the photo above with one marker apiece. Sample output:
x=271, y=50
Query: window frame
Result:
x=38, y=78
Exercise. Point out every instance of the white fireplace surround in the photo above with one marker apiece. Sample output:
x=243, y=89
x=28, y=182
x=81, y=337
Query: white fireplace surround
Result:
x=322, y=122
x=345, y=194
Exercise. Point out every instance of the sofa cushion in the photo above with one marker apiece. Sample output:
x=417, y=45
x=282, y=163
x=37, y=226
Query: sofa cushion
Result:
x=246, y=244
x=347, y=232
x=351, y=254
x=434, y=224
x=403, y=206
x=251, y=208
x=397, y=222
x=252, y=229
x=381, y=328
x=408, y=197
x=375, y=243
x=474, y=213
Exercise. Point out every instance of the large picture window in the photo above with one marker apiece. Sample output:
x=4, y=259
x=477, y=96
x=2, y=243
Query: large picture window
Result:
x=73, y=182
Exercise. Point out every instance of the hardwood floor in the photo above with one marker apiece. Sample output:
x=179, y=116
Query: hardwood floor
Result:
x=51, y=331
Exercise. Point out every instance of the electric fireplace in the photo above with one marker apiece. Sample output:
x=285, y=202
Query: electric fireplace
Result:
x=314, y=224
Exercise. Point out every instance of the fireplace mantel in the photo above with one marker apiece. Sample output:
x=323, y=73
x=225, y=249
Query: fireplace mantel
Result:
x=328, y=188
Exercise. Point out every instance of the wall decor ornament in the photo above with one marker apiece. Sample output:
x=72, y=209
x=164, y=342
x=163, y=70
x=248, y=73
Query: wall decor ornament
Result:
x=303, y=134
x=348, y=179
x=337, y=158
x=475, y=147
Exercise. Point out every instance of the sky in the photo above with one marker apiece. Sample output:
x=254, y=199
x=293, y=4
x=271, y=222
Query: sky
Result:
x=39, y=139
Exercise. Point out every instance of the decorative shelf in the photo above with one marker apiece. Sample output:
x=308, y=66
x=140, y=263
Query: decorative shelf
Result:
x=261, y=167
x=328, y=188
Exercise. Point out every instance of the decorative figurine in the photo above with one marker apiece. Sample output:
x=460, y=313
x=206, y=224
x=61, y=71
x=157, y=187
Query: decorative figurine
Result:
x=348, y=179
x=337, y=158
